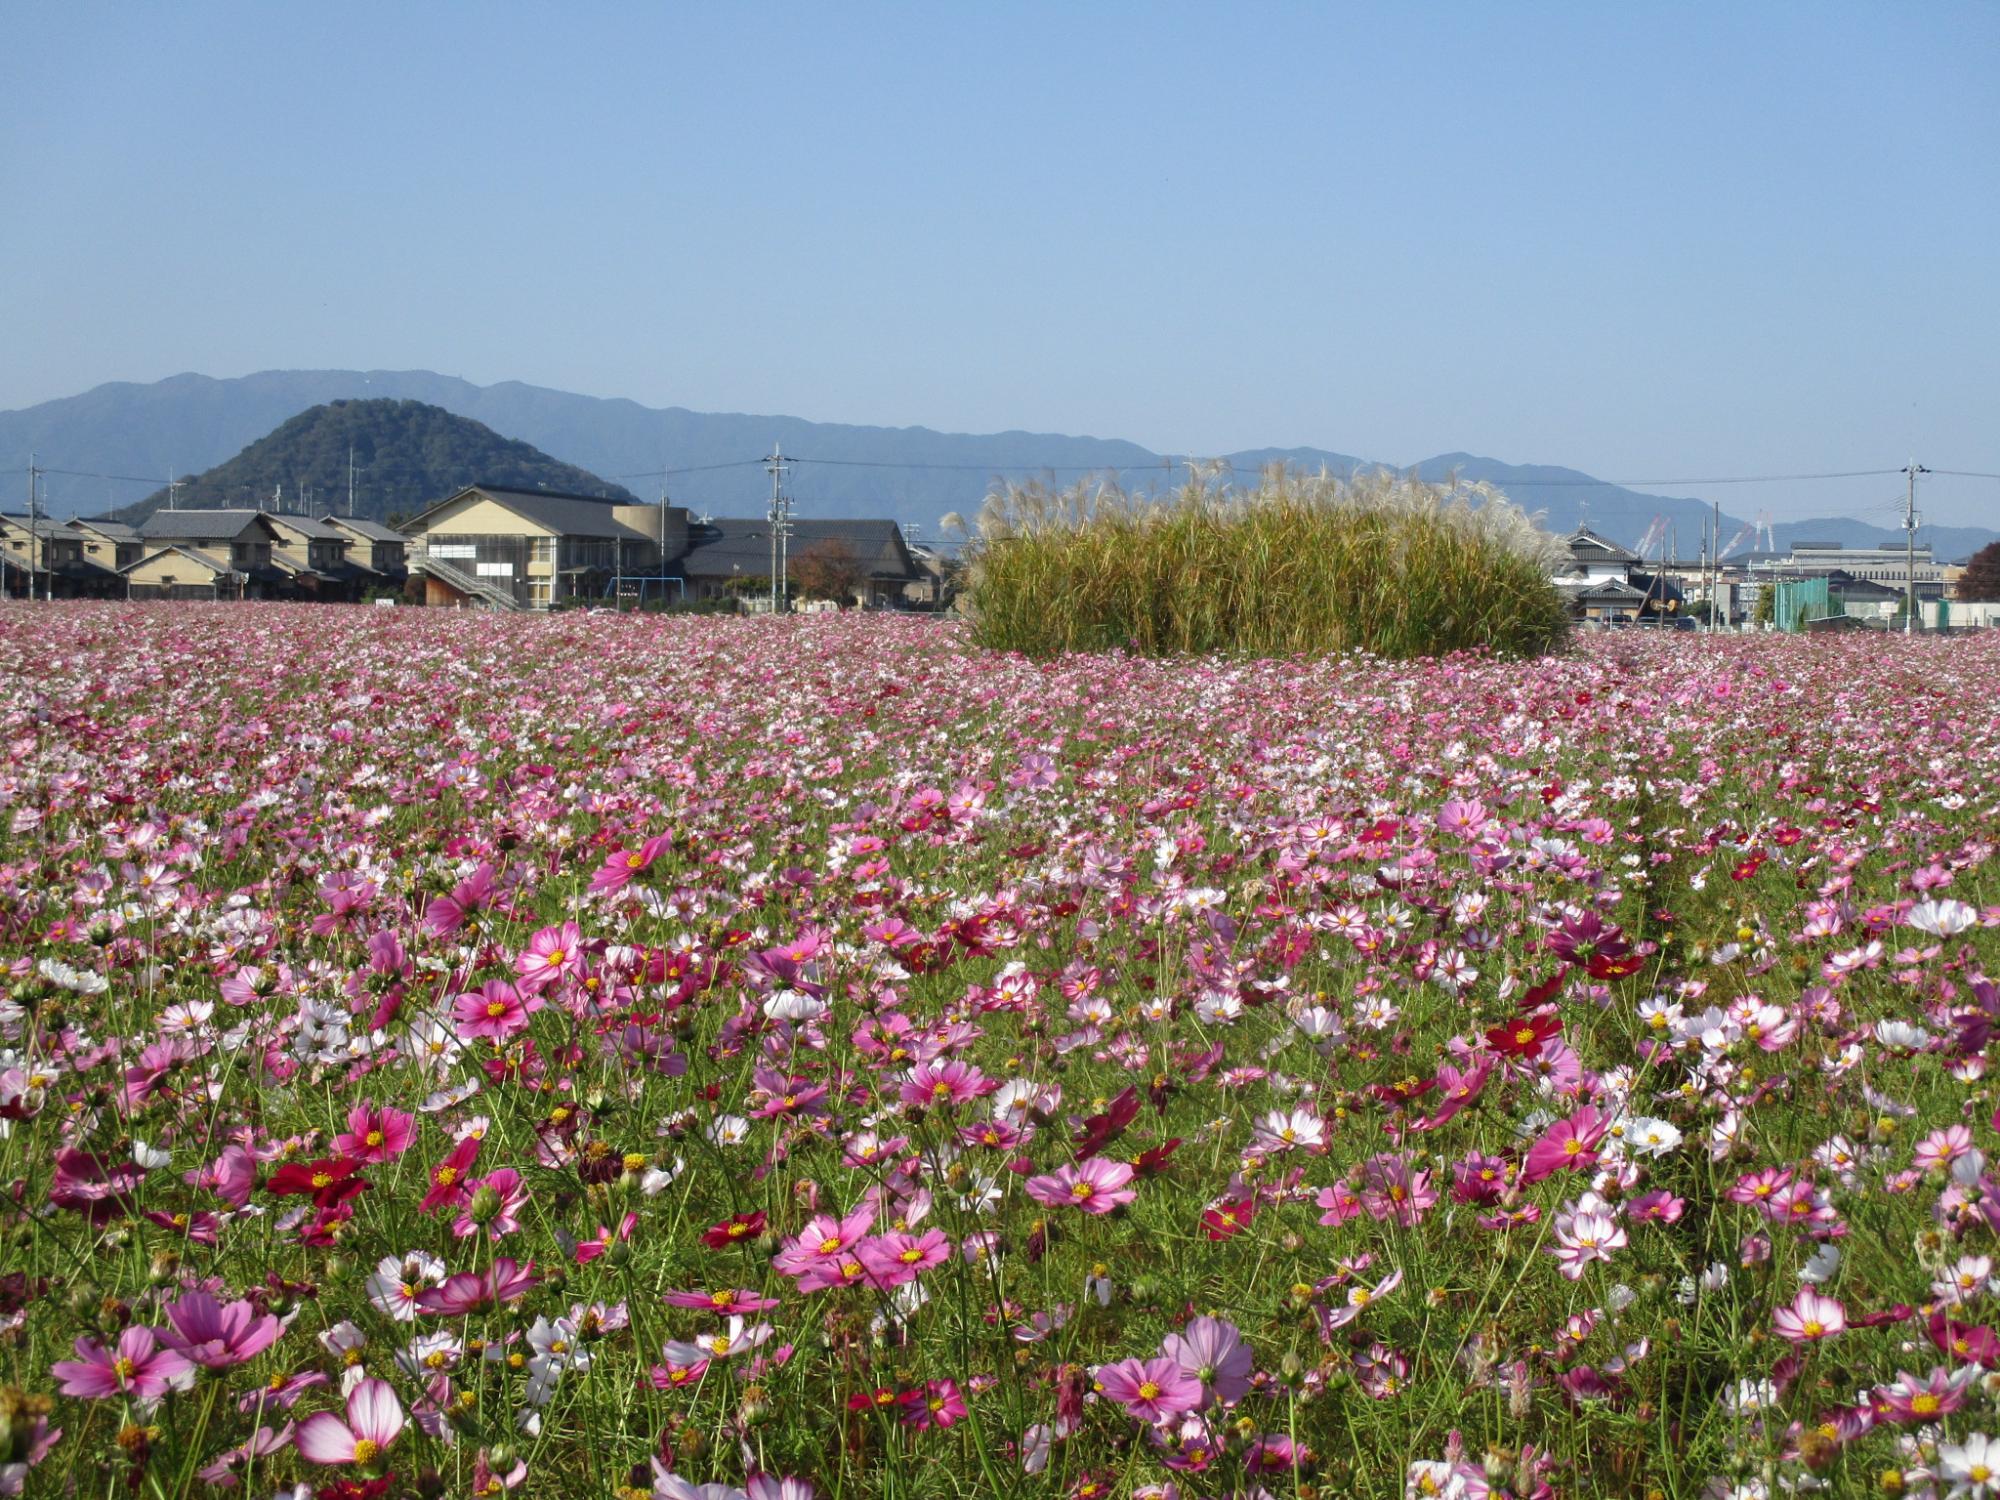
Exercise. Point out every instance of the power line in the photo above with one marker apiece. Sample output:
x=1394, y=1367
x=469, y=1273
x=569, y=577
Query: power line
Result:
x=1964, y=473
x=741, y=463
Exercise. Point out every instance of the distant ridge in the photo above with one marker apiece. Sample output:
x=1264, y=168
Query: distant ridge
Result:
x=190, y=422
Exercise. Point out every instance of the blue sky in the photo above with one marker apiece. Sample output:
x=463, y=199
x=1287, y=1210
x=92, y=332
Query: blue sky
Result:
x=1645, y=241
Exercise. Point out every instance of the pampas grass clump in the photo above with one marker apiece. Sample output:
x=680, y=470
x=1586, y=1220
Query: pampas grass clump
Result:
x=1300, y=564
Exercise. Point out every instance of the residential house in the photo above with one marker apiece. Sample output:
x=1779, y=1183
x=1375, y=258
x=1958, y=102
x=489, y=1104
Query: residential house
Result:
x=726, y=553
x=1603, y=584
x=177, y=572
x=52, y=559
x=375, y=545
x=493, y=547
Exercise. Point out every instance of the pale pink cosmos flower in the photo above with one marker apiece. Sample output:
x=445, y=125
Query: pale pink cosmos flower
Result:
x=1810, y=1318
x=374, y=1420
x=552, y=955
x=1582, y=1237
x=1152, y=1390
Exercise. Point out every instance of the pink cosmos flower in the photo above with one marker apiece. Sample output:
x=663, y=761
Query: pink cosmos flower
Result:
x=1096, y=1187
x=1914, y=1402
x=723, y=1304
x=1213, y=1352
x=374, y=1419
x=1810, y=1318
x=938, y=1404
x=819, y=1254
x=1152, y=1390
x=137, y=1367
x=1568, y=1143
x=930, y=1085
x=623, y=866
x=232, y=1176
x=896, y=1258
x=552, y=955
x=216, y=1336
x=492, y=1203
x=223, y=1472
x=496, y=1010
x=467, y=1292
x=376, y=1133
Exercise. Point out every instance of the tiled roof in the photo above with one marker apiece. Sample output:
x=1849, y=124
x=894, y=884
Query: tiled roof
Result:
x=731, y=545
x=566, y=515
x=197, y=525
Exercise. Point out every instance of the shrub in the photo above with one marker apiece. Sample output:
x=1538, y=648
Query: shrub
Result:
x=1300, y=564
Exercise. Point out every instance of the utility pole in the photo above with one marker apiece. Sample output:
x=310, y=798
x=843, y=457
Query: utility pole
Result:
x=1910, y=543
x=173, y=491
x=1715, y=553
x=34, y=537
x=777, y=468
x=350, y=481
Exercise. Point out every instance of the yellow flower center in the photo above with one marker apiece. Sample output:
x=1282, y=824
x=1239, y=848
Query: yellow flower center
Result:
x=1148, y=1390
x=496, y=1008
x=365, y=1449
x=1925, y=1405
x=124, y=1368
x=1080, y=1190
x=373, y=1138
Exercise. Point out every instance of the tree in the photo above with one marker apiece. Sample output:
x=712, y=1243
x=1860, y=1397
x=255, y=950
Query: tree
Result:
x=828, y=570
x=1981, y=579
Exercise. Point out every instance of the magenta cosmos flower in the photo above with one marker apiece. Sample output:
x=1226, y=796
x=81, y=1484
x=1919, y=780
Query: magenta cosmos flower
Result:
x=1568, y=1143
x=1213, y=1352
x=1096, y=1187
x=376, y=1134
x=374, y=1419
x=137, y=1367
x=496, y=1010
x=1151, y=1389
x=216, y=1336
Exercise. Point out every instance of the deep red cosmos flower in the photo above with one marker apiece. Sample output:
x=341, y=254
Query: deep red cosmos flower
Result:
x=737, y=1229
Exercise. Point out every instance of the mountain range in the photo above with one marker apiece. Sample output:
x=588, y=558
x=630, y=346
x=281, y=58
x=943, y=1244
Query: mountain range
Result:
x=116, y=443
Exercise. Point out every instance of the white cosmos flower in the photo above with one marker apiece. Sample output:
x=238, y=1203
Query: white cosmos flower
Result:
x=1942, y=918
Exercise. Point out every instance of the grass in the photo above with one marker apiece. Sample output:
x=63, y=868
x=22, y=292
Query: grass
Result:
x=1300, y=564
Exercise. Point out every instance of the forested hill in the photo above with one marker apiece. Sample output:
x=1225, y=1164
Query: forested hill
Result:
x=406, y=455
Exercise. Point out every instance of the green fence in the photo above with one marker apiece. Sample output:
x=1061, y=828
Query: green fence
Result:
x=1794, y=603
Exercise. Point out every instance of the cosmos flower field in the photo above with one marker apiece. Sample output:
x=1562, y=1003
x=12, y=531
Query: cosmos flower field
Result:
x=452, y=1055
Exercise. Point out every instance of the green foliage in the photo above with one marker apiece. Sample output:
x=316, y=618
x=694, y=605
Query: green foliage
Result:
x=1301, y=564
x=407, y=456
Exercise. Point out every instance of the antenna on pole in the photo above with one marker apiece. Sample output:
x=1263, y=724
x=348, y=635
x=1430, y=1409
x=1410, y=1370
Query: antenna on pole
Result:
x=1910, y=544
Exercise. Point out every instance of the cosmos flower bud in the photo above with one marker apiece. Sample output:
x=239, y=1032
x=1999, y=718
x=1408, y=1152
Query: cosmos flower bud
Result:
x=485, y=1205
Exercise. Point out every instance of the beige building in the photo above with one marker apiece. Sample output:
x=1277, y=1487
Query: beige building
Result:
x=531, y=549
x=176, y=572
